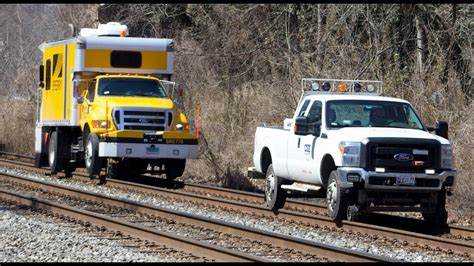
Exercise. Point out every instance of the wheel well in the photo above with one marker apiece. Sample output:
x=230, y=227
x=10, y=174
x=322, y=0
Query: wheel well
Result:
x=327, y=166
x=266, y=159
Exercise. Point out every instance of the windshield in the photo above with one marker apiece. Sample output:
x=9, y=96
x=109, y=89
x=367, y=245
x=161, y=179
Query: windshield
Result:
x=131, y=87
x=359, y=113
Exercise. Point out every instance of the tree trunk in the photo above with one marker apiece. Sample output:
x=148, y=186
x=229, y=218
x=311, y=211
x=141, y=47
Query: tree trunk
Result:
x=420, y=45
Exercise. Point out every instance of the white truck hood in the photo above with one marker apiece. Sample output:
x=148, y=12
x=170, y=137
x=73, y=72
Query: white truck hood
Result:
x=357, y=134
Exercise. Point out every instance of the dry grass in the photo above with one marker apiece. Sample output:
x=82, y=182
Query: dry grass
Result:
x=243, y=65
x=229, y=120
x=17, y=125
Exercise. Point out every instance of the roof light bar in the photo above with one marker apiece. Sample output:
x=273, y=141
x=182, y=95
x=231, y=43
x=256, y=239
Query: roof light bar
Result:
x=342, y=86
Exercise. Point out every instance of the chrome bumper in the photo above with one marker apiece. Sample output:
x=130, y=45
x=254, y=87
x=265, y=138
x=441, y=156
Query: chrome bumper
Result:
x=342, y=173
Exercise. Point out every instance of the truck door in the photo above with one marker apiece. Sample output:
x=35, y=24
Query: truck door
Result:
x=301, y=148
x=88, y=100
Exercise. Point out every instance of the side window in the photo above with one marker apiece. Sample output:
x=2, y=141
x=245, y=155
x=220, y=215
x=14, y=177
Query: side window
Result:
x=303, y=108
x=314, y=113
x=127, y=59
x=91, y=91
x=48, y=74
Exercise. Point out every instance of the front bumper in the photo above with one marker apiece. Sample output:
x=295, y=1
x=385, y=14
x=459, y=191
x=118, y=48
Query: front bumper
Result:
x=149, y=151
x=424, y=182
x=136, y=144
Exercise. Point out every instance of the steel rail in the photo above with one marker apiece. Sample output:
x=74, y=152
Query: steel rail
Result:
x=311, y=247
x=315, y=220
x=195, y=247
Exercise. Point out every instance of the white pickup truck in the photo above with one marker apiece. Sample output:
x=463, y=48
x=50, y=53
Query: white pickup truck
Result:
x=367, y=152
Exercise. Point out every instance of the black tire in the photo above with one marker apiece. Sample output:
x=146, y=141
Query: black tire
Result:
x=353, y=214
x=93, y=162
x=174, y=168
x=56, y=153
x=338, y=199
x=275, y=196
x=440, y=215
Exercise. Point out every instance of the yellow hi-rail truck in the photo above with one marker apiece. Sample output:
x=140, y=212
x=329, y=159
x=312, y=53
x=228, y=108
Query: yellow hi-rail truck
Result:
x=104, y=101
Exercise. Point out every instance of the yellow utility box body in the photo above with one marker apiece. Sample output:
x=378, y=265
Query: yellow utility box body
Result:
x=103, y=96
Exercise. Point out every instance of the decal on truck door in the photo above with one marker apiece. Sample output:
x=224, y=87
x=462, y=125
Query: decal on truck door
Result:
x=57, y=72
x=307, y=148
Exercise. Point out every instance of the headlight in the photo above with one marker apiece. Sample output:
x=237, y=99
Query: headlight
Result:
x=100, y=124
x=182, y=126
x=350, y=153
x=447, y=156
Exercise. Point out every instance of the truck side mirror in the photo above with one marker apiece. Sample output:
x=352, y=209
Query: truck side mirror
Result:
x=80, y=99
x=41, y=76
x=441, y=129
x=301, y=125
x=317, y=129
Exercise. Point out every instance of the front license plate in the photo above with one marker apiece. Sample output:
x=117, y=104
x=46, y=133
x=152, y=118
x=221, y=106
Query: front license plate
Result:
x=405, y=180
x=174, y=141
x=152, y=150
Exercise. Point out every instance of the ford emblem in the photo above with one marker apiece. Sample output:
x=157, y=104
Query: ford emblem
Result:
x=142, y=120
x=403, y=157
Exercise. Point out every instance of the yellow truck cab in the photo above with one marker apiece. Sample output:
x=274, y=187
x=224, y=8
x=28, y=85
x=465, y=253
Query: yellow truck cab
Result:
x=104, y=102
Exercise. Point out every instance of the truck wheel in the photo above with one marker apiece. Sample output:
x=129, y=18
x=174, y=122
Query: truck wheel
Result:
x=174, y=168
x=55, y=153
x=338, y=200
x=93, y=161
x=353, y=213
x=275, y=196
x=440, y=215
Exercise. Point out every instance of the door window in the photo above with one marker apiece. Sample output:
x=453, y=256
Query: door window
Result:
x=303, y=108
x=91, y=92
x=314, y=113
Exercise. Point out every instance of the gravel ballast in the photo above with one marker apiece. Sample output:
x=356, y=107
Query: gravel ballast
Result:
x=395, y=251
x=27, y=236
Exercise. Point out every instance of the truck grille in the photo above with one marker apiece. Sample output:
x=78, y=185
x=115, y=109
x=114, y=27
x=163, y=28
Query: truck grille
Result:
x=142, y=119
x=423, y=154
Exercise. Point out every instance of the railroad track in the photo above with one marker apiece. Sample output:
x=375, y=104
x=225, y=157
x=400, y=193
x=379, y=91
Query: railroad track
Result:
x=405, y=224
x=121, y=215
x=296, y=211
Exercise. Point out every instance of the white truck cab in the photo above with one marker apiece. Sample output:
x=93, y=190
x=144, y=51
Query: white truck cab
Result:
x=368, y=152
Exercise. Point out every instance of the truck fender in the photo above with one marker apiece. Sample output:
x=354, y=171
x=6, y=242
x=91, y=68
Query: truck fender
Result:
x=327, y=166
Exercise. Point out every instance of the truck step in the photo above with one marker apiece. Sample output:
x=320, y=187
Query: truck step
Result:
x=300, y=187
x=77, y=148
